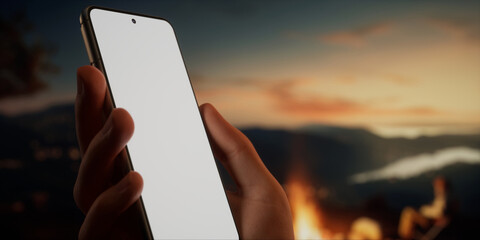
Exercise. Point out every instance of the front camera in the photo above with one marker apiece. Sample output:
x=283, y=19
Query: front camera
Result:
x=134, y=21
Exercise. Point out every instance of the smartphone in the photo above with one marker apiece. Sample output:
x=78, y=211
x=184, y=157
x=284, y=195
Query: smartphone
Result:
x=183, y=195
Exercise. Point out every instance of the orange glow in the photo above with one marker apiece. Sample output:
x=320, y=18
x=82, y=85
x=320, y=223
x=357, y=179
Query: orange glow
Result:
x=306, y=215
x=380, y=74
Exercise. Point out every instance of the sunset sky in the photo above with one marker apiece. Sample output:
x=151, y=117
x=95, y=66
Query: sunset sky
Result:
x=397, y=68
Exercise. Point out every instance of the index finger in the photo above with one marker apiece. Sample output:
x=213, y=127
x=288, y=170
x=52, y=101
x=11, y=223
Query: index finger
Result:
x=89, y=104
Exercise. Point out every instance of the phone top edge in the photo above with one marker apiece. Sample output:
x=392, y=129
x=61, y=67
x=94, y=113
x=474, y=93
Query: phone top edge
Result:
x=86, y=13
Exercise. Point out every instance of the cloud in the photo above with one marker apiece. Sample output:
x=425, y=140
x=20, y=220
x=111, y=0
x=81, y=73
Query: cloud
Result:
x=400, y=79
x=457, y=27
x=397, y=79
x=416, y=130
x=24, y=104
x=357, y=37
x=289, y=98
x=413, y=166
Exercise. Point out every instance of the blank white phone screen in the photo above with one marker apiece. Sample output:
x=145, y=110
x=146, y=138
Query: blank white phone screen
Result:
x=183, y=195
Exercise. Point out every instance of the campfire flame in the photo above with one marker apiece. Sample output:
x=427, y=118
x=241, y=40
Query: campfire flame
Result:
x=306, y=213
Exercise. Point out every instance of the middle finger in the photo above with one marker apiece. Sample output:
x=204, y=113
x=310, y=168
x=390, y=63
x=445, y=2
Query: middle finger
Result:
x=96, y=168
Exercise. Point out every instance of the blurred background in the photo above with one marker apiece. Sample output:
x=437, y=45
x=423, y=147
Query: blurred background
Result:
x=367, y=112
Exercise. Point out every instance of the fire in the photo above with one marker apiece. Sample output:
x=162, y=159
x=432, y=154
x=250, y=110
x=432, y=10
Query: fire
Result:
x=306, y=213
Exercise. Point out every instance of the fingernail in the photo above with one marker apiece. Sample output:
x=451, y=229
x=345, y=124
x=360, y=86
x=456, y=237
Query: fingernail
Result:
x=80, y=85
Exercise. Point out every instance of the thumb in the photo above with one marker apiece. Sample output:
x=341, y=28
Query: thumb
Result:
x=235, y=152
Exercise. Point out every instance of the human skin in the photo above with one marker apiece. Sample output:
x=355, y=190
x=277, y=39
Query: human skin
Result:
x=259, y=205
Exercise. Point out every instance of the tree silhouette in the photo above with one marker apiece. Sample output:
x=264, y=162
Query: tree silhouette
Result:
x=22, y=63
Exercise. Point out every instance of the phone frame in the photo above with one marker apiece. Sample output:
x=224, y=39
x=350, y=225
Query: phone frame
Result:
x=95, y=59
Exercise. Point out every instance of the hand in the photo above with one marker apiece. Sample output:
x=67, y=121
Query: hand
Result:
x=98, y=192
x=260, y=207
